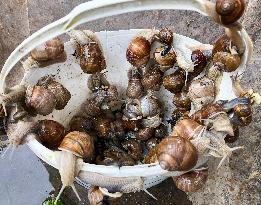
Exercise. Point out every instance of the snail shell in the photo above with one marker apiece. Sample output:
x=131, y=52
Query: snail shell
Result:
x=182, y=101
x=191, y=181
x=151, y=157
x=61, y=94
x=133, y=148
x=138, y=51
x=152, y=79
x=200, y=62
x=175, y=81
x=98, y=197
x=188, y=129
x=176, y=154
x=50, y=50
x=166, y=36
x=81, y=124
x=42, y=100
x=132, y=110
x=134, y=89
x=91, y=57
x=161, y=131
x=131, y=125
x=230, y=10
x=152, y=143
x=91, y=107
x=51, y=133
x=201, y=92
x=166, y=61
x=145, y=133
x=102, y=126
x=97, y=81
x=2, y=112
x=150, y=106
x=80, y=144
x=153, y=122
x=222, y=44
x=230, y=61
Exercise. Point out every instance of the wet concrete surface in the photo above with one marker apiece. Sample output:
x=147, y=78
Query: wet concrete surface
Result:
x=26, y=180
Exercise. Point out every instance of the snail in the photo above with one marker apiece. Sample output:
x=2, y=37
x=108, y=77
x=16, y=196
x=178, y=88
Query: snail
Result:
x=150, y=105
x=200, y=62
x=165, y=36
x=138, y=51
x=117, y=128
x=62, y=95
x=182, y=101
x=132, y=110
x=145, y=133
x=133, y=147
x=134, y=89
x=81, y=124
x=99, y=196
x=215, y=117
x=50, y=50
x=201, y=92
x=152, y=79
x=2, y=112
x=222, y=44
x=152, y=143
x=51, y=133
x=191, y=181
x=97, y=81
x=175, y=81
x=102, y=126
x=41, y=99
x=215, y=71
x=176, y=154
x=161, y=131
x=230, y=61
x=91, y=107
x=89, y=50
x=230, y=10
x=165, y=58
x=75, y=145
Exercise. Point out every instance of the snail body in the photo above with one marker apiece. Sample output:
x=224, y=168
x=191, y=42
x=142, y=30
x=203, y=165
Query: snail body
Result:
x=230, y=10
x=50, y=50
x=176, y=154
x=191, y=181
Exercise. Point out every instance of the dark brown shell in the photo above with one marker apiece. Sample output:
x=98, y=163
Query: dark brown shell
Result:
x=161, y=131
x=40, y=99
x=96, y=197
x=117, y=127
x=131, y=125
x=200, y=62
x=145, y=133
x=133, y=148
x=91, y=58
x=188, y=129
x=175, y=81
x=111, y=93
x=61, y=94
x=79, y=143
x=51, y=133
x=50, y=50
x=167, y=60
x=152, y=143
x=102, y=126
x=230, y=10
x=166, y=36
x=81, y=124
x=206, y=111
x=152, y=79
x=91, y=108
x=2, y=112
x=230, y=61
x=182, y=101
x=138, y=51
x=176, y=154
x=191, y=181
x=243, y=110
x=97, y=81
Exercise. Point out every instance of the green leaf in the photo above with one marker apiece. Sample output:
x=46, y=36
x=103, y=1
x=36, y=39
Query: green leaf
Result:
x=51, y=202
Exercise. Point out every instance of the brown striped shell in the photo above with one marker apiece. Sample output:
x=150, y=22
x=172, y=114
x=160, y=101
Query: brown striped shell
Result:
x=80, y=144
x=177, y=154
x=191, y=181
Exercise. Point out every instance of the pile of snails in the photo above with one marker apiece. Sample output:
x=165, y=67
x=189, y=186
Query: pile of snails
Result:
x=112, y=131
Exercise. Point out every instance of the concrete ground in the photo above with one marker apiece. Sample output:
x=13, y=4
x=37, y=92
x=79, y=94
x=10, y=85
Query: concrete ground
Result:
x=26, y=180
